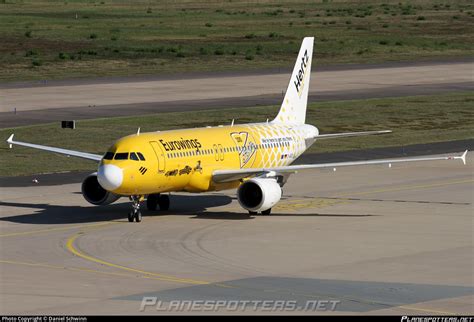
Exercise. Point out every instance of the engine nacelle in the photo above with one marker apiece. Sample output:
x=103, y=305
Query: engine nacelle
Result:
x=259, y=194
x=94, y=193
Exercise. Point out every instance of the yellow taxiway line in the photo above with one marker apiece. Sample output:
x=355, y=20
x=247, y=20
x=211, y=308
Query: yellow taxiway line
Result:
x=71, y=248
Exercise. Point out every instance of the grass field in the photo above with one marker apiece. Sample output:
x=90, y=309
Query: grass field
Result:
x=420, y=119
x=72, y=38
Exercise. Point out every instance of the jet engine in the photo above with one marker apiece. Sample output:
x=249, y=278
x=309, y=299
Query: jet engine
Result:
x=94, y=193
x=259, y=194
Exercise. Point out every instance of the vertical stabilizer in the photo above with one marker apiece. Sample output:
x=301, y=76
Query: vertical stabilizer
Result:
x=293, y=108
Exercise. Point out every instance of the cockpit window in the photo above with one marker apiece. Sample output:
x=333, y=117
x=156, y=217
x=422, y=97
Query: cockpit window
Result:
x=133, y=156
x=109, y=156
x=141, y=156
x=121, y=156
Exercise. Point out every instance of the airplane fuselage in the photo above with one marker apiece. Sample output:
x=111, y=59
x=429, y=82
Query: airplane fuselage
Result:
x=184, y=160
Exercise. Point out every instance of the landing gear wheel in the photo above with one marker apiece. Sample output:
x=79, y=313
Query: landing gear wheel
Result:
x=152, y=202
x=267, y=212
x=138, y=216
x=164, y=202
x=253, y=213
x=135, y=213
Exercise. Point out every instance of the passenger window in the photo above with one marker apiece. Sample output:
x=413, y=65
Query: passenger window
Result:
x=121, y=156
x=133, y=156
x=142, y=158
x=109, y=156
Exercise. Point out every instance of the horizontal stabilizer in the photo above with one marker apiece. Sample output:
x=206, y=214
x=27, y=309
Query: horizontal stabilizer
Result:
x=349, y=134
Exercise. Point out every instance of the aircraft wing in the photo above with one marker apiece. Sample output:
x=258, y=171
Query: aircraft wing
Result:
x=350, y=134
x=83, y=155
x=221, y=176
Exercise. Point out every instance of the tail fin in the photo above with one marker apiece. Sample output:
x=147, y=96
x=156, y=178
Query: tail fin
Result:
x=293, y=108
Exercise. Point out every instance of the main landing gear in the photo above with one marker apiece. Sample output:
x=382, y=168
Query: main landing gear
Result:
x=155, y=200
x=264, y=213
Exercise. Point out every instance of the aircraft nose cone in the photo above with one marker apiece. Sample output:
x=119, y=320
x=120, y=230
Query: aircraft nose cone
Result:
x=110, y=177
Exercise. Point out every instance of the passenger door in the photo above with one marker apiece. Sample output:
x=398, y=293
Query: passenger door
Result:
x=160, y=155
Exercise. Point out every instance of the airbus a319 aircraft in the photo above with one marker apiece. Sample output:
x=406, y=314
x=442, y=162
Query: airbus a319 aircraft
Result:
x=254, y=158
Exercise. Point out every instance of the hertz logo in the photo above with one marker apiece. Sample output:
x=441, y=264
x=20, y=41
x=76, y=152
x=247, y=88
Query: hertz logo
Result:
x=143, y=170
x=299, y=84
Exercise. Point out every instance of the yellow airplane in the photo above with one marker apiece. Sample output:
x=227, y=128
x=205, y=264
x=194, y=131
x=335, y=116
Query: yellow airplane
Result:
x=255, y=158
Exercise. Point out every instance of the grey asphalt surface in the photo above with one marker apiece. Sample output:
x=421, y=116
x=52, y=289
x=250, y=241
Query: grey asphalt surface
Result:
x=23, y=118
x=211, y=74
x=82, y=99
x=377, y=240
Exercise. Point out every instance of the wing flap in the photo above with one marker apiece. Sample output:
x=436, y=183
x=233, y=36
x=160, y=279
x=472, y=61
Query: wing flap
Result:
x=78, y=154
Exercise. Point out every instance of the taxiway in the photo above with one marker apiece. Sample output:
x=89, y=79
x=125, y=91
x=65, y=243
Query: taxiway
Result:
x=34, y=103
x=379, y=240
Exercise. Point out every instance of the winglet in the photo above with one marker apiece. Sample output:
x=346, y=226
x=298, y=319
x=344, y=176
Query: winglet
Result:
x=463, y=157
x=10, y=140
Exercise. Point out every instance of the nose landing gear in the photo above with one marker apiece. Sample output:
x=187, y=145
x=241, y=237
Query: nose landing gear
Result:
x=135, y=213
x=152, y=202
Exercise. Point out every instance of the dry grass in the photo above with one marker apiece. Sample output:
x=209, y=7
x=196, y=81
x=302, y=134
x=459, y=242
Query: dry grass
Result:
x=184, y=36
